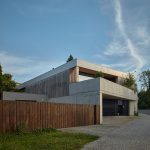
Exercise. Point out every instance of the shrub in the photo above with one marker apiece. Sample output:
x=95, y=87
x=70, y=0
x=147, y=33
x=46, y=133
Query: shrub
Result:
x=99, y=74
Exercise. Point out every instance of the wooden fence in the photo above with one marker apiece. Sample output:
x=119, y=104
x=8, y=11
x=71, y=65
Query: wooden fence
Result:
x=38, y=115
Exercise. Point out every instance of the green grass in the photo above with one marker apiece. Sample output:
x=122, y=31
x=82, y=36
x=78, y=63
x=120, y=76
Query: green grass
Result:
x=44, y=140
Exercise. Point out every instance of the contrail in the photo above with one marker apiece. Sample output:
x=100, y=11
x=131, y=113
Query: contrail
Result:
x=132, y=48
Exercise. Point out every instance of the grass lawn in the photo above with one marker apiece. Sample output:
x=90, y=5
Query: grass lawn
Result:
x=45, y=140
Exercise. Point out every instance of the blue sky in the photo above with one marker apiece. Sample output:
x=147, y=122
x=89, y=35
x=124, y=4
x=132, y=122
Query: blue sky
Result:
x=37, y=35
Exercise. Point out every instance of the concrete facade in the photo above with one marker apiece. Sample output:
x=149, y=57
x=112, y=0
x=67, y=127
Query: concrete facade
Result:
x=83, y=87
x=71, y=64
x=93, y=92
x=13, y=96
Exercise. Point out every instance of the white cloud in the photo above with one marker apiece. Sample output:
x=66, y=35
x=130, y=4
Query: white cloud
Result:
x=116, y=47
x=24, y=68
x=125, y=65
x=129, y=48
x=133, y=50
x=143, y=36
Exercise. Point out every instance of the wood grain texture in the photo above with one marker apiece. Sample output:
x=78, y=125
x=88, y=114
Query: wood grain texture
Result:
x=39, y=115
x=74, y=75
x=54, y=86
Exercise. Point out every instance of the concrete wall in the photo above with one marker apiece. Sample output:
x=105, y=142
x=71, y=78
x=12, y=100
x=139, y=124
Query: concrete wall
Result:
x=114, y=89
x=91, y=85
x=83, y=98
x=85, y=92
x=132, y=107
x=23, y=96
x=104, y=86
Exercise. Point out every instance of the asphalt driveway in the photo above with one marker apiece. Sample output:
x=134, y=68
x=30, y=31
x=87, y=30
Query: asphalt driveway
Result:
x=124, y=133
x=145, y=111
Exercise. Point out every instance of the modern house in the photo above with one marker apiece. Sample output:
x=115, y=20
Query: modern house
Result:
x=75, y=83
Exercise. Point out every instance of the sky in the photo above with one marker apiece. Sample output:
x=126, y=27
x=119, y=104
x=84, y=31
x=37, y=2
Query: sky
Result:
x=38, y=35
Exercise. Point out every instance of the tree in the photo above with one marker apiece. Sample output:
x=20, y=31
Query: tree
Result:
x=70, y=58
x=99, y=74
x=6, y=82
x=143, y=102
x=145, y=80
x=144, y=94
x=0, y=78
x=130, y=82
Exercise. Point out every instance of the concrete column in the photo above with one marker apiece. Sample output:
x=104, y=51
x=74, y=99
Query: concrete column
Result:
x=132, y=107
x=101, y=108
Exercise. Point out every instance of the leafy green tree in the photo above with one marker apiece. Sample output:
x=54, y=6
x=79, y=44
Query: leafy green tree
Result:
x=0, y=78
x=6, y=82
x=143, y=102
x=145, y=80
x=144, y=94
x=99, y=74
x=130, y=82
x=70, y=58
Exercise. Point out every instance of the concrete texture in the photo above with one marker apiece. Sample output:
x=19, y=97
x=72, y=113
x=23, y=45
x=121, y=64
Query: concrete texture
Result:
x=96, y=67
x=104, y=86
x=132, y=134
x=92, y=92
x=92, y=85
x=114, y=89
x=81, y=98
x=133, y=107
x=23, y=96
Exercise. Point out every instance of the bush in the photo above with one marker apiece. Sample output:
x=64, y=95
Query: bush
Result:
x=99, y=74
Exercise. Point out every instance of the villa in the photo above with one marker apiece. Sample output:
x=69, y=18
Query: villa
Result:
x=75, y=83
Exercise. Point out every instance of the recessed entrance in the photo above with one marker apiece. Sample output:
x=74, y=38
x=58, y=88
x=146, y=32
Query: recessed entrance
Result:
x=113, y=107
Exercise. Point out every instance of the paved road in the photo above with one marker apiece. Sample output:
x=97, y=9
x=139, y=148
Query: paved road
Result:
x=132, y=135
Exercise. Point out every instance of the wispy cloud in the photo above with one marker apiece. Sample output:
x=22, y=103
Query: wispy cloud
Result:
x=143, y=36
x=115, y=47
x=24, y=68
x=131, y=47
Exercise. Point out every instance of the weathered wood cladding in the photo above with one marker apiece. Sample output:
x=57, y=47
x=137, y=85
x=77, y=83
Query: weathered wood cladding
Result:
x=54, y=86
x=74, y=72
x=40, y=115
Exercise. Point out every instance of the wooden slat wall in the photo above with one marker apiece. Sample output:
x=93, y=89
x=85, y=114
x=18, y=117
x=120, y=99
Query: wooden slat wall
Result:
x=38, y=115
x=54, y=86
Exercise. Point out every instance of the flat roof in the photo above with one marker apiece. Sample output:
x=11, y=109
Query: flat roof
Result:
x=71, y=64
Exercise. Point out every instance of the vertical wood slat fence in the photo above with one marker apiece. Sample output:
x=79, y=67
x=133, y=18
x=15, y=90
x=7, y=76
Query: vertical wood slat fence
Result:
x=38, y=115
